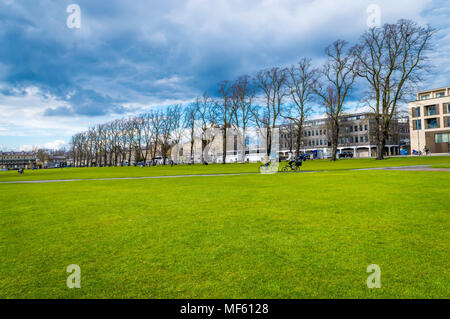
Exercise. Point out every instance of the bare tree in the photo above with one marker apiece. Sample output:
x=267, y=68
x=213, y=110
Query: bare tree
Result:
x=130, y=128
x=224, y=114
x=156, y=122
x=272, y=86
x=302, y=80
x=145, y=121
x=176, y=116
x=123, y=141
x=243, y=109
x=337, y=78
x=391, y=59
x=207, y=117
x=167, y=126
x=189, y=117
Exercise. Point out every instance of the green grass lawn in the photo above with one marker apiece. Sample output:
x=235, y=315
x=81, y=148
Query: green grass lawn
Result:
x=249, y=236
x=441, y=166
x=316, y=165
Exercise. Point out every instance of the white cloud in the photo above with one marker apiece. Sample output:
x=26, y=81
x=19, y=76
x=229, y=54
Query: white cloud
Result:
x=54, y=145
x=186, y=45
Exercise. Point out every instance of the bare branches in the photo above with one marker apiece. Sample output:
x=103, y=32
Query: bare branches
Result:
x=392, y=60
x=337, y=78
x=301, y=82
x=271, y=83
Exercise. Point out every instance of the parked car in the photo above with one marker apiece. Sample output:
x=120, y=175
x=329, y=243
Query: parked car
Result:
x=346, y=155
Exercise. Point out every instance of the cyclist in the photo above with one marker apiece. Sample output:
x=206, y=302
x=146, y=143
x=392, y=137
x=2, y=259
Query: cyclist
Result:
x=297, y=161
x=291, y=160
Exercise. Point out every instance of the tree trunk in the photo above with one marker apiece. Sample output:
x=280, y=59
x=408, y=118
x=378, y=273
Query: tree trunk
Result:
x=224, y=146
x=298, y=140
x=203, y=150
x=191, y=159
x=334, y=150
x=269, y=141
x=243, y=146
x=334, y=143
x=381, y=143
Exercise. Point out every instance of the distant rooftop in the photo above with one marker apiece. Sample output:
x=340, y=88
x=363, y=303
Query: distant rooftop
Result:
x=433, y=94
x=16, y=153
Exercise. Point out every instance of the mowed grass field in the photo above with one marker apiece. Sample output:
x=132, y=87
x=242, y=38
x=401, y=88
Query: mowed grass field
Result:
x=308, y=235
x=167, y=170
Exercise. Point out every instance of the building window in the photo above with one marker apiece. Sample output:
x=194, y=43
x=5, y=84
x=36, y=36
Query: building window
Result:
x=351, y=128
x=440, y=94
x=442, y=138
x=417, y=124
x=366, y=127
x=447, y=121
x=416, y=112
x=430, y=110
x=432, y=123
x=360, y=127
x=356, y=139
x=425, y=97
x=447, y=108
x=367, y=138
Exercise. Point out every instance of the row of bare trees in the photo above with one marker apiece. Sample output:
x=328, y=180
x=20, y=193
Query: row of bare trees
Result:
x=140, y=137
x=389, y=61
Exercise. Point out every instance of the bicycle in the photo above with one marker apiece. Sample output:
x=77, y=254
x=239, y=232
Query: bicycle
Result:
x=288, y=168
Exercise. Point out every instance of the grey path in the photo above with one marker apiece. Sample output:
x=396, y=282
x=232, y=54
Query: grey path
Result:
x=119, y=178
x=425, y=168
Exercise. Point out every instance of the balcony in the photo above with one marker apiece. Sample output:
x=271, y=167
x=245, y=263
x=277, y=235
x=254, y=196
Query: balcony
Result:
x=432, y=123
x=431, y=110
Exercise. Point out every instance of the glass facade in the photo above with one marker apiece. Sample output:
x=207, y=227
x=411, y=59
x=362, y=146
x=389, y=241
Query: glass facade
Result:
x=430, y=110
x=442, y=138
x=417, y=124
x=432, y=123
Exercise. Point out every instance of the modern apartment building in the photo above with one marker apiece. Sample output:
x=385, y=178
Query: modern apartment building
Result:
x=430, y=121
x=357, y=136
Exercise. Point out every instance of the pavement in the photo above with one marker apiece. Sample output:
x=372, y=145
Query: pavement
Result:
x=424, y=168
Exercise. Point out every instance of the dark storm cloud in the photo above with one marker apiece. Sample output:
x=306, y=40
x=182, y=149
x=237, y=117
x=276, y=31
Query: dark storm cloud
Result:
x=149, y=52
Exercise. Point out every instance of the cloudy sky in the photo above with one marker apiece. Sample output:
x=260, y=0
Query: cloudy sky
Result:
x=129, y=56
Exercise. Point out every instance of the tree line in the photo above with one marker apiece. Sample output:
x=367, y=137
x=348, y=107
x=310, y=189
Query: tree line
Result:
x=389, y=61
